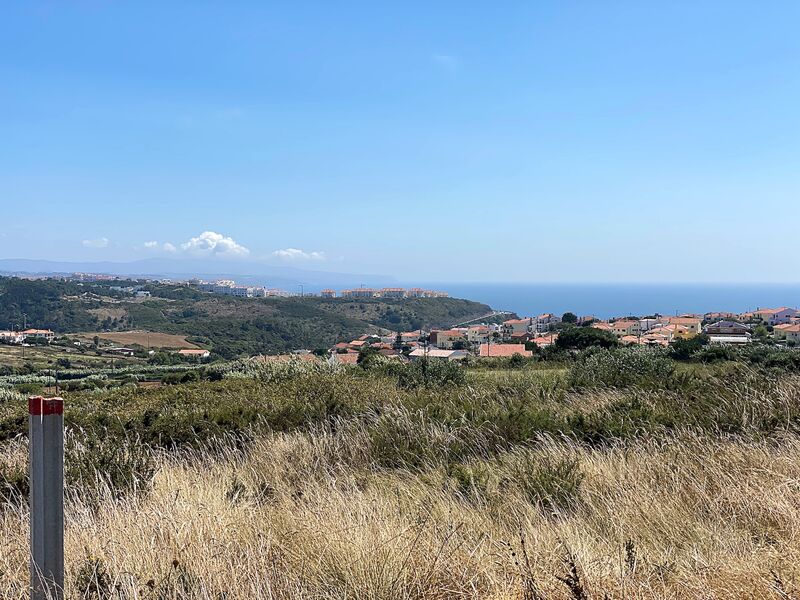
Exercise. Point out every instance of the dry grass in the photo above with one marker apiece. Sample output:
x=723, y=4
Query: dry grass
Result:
x=308, y=516
x=147, y=339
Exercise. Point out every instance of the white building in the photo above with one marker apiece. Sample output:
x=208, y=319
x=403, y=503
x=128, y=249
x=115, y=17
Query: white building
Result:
x=11, y=337
x=543, y=322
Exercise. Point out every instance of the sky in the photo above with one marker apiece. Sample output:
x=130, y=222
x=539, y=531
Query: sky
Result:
x=440, y=141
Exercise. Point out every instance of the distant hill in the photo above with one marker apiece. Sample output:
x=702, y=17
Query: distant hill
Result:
x=250, y=272
x=229, y=326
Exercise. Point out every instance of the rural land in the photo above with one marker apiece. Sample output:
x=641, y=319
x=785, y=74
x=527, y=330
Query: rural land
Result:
x=393, y=446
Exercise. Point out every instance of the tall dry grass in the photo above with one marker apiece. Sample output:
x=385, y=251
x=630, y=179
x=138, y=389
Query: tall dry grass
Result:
x=312, y=515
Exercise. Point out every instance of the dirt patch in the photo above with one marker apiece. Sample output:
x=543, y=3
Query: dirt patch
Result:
x=147, y=339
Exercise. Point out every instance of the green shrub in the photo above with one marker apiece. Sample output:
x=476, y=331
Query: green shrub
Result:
x=620, y=368
x=580, y=338
x=715, y=353
x=431, y=373
x=29, y=388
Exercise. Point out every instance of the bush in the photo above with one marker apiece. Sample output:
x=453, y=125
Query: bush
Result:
x=580, y=338
x=715, y=353
x=685, y=349
x=430, y=372
x=29, y=388
x=620, y=368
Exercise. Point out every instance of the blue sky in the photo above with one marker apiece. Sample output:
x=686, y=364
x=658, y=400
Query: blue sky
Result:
x=447, y=141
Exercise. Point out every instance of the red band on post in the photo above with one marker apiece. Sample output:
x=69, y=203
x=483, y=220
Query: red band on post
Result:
x=39, y=406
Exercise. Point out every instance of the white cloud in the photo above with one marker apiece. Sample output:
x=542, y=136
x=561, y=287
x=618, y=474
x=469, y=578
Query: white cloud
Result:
x=297, y=254
x=154, y=245
x=98, y=243
x=210, y=243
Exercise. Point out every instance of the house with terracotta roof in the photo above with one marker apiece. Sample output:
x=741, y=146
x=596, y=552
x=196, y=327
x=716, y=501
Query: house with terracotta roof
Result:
x=445, y=340
x=392, y=293
x=625, y=327
x=727, y=332
x=544, y=322
x=787, y=331
x=194, y=352
x=38, y=334
x=479, y=334
x=359, y=293
x=713, y=317
x=655, y=338
x=350, y=358
x=647, y=323
x=545, y=340
x=498, y=350
x=602, y=325
x=691, y=323
x=328, y=293
x=512, y=326
x=776, y=316
x=11, y=337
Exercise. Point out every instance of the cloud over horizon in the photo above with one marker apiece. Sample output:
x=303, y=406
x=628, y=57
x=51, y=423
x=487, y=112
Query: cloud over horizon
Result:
x=211, y=243
x=294, y=254
x=97, y=243
x=155, y=245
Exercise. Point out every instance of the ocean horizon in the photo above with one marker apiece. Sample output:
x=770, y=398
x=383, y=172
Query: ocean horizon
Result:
x=606, y=300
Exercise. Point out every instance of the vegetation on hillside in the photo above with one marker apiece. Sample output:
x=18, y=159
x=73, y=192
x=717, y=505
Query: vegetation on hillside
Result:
x=230, y=326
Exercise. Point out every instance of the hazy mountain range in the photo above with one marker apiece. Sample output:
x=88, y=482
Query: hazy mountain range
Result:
x=246, y=272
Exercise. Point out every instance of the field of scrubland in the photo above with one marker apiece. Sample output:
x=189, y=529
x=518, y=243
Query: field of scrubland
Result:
x=620, y=475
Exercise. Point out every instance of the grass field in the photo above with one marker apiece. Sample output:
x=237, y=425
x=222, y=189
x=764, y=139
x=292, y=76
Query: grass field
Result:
x=146, y=339
x=284, y=481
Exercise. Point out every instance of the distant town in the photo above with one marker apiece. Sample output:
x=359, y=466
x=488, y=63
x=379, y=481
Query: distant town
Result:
x=229, y=287
x=527, y=335
x=491, y=335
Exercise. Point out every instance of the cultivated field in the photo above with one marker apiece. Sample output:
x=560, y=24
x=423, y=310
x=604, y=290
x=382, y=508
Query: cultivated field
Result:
x=147, y=339
x=46, y=357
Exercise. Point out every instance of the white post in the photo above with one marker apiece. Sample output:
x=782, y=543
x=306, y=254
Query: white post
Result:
x=46, y=438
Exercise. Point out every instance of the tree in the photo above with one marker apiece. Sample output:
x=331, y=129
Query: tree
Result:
x=398, y=341
x=366, y=353
x=684, y=349
x=579, y=338
x=569, y=317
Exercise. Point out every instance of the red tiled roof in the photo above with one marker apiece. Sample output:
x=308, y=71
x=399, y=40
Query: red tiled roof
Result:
x=347, y=359
x=504, y=350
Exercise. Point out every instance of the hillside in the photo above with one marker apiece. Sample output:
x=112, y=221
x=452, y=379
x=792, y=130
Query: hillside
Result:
x=230, y=326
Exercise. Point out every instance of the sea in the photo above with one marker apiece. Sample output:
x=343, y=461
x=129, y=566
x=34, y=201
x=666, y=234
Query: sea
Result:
x=623, y=299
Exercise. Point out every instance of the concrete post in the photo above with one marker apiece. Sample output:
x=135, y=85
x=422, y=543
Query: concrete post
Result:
x=46, y=437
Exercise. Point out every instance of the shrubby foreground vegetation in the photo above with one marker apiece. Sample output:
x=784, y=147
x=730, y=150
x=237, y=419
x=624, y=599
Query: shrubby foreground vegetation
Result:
x=610, y=473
